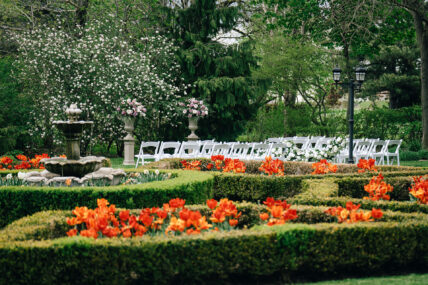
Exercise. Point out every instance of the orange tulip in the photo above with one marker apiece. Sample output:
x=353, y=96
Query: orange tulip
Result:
x=264, y=216
x=72, y=232
x=211, y=204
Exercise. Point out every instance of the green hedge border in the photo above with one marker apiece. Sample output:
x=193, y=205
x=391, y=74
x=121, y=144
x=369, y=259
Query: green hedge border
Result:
x=354, y=187
x=289, y=250
x=247, y=187
x=18, y=201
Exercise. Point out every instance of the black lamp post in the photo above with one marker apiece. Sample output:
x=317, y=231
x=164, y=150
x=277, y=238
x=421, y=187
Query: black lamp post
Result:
x=360, y=73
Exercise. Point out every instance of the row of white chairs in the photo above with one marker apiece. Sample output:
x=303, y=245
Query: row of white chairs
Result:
x=368, y=148
x=383, y=151
x=204, y=149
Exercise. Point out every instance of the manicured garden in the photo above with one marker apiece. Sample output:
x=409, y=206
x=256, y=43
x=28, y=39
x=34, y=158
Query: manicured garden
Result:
x=324, y=230
x=193, y=142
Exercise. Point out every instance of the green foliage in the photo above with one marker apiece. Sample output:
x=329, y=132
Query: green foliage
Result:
x=218, y=74
x=16, y=201
x=14, y=109
x=269, y=122
x=291, y=250
x=354, y=187
x=395, y=69
x=246, y=187
x=383, y=123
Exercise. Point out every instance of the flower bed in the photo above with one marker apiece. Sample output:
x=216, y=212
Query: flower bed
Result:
x=35, y=248
x=354, y=187
x=293, y=167
x=19, y=201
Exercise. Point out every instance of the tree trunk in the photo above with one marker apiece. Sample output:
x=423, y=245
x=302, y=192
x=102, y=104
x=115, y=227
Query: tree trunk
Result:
x=422, y=37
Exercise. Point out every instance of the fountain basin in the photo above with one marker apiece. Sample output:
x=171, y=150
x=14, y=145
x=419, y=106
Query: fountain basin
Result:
x=70, y=167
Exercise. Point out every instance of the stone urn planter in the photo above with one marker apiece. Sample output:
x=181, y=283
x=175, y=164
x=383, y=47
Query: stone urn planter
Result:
x=193, y=126
x=129, y=141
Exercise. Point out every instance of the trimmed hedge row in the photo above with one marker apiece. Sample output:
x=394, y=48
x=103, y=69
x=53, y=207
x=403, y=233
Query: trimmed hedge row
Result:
x=240, y=187
x=354, y=187
x=402, y=206
x=290, y=167
x=289, y=250
x=18, y=201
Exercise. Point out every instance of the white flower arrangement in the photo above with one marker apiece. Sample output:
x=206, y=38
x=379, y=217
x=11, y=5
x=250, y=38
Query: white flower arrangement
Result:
x=194, y=108
x=131, y=108
x=294, y=153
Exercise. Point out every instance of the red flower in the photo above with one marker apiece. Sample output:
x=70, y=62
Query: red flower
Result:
x=124, y=215
x=264, y=216
x=377, y=213
x=72, y=232
x=177, y=203
x=211, y=204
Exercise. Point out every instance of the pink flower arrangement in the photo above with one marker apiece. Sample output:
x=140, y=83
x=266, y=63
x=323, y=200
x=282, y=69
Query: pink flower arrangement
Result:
x=194, y=108
x=131, y=108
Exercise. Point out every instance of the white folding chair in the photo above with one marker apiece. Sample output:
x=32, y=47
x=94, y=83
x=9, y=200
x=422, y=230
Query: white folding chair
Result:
x=260, y=150
x=343, y=156
x=274, y=140
x=148, y=150
x=395, y=146
x=377, y=152
x=301, y=142
x=207, y=149
x=240, y=151
x=221, y=149
x=361, y=150
x=189, y=150
x=168, y=150
x=312, y=142
x=279, y=150
x=322, y=143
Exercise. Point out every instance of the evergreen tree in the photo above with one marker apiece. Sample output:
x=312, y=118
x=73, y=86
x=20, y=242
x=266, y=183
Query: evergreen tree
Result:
x=395, y=69
x=217, y=73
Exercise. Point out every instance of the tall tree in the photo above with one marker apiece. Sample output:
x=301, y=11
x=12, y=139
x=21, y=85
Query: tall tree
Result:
x=218, y=73
x=296, y=68
x=395, y=69
x=419, y=11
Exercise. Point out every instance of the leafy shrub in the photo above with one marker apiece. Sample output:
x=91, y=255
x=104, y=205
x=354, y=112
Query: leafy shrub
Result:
x=290, y=250
x=16, y=201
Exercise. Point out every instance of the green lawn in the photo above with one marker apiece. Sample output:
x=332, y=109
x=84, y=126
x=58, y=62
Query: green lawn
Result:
x=117, y=162
x=418, y=163
x=412, y=279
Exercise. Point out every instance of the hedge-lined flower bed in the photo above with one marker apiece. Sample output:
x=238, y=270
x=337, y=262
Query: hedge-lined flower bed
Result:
x=290, y=167
x=19, y=201
x=354, y=187
x=32, y=249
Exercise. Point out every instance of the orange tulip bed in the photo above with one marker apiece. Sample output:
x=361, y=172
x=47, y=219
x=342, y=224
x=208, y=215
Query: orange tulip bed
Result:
x=22, y=162
x=189, y=228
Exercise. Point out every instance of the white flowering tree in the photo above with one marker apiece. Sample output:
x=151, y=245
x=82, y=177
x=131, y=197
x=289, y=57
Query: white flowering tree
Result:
x=97, y=68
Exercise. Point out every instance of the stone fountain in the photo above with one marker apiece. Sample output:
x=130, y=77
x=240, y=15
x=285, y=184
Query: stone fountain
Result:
x=74, y=169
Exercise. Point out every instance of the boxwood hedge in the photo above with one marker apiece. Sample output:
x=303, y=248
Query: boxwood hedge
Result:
x=19, y=201
x=325, y=249
x=354, y=187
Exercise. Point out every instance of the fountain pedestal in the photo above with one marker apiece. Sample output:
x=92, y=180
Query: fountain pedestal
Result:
x=129, y=141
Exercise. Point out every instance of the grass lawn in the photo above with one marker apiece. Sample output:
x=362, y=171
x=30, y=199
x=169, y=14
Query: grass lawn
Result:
x=418, y=163
x=117, y=162
x=412, y=279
